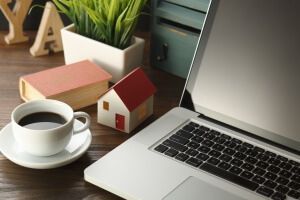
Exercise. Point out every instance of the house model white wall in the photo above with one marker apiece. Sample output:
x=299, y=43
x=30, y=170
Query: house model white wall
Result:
x=128, y=103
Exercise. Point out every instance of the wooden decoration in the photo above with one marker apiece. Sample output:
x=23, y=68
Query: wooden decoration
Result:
x=15, y=19
x=48, y=37
x=128, y=103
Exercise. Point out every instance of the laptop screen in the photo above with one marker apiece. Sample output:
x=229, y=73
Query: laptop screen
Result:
x=246, y=69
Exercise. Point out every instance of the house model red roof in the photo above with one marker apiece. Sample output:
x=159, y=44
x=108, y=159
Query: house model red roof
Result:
x=134, y=89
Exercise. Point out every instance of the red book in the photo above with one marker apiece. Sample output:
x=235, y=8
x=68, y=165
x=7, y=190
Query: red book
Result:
x=79, y=84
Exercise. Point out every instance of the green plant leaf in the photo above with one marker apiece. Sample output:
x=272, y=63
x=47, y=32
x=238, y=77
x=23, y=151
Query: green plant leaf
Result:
x=109, y=21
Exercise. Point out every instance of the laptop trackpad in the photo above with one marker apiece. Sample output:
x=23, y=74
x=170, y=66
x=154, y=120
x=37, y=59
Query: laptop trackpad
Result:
x=194, y=189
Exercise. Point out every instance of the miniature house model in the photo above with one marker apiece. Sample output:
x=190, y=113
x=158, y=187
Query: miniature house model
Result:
x=128, y=103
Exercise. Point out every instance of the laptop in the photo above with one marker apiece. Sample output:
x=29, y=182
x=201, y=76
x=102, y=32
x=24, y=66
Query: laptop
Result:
x=236, y=132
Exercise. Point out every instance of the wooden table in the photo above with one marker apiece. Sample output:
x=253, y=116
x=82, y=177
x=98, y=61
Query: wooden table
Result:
x=66, y=182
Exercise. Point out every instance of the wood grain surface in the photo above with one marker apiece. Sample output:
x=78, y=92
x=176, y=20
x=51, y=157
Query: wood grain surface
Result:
x=66, y=182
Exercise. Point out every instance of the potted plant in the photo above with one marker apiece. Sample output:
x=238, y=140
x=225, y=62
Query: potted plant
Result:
x=102, y=31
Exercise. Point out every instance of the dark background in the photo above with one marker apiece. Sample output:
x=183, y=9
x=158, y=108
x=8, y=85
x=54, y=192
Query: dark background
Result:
x=32, y=21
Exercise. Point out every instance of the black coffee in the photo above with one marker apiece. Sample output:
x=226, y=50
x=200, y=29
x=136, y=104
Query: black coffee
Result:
x=42, y=121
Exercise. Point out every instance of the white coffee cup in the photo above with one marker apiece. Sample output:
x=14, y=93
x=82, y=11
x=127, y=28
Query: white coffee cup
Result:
x=46, y=142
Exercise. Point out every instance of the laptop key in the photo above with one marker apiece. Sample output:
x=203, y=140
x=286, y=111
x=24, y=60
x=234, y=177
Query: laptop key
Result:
x=294, y=194
x=241, y=148
x=294, y=163
x=235, y=170
x=202, y=156
x=184, y=134
x=236, y=162
x=296, y=170
x=265, y=191
x=224, y=165
x=251, y=160
x=273, y=169
x=197, y=139
x=161, y=148
x=263, y=157
x=171, y=152
x=294, y=185
x=188, y=128
x=225, y=157
x=247, y=174
x=204, y=149
x=229, y=151
x=230, y=144
x=209, y=136
x=285, y=174
x=213, y=161
x=193, y=145
x=191, y=152
x=218, y=147
x=296, y=178
x=204, y=128
x=239, y=155
x=236, y=140
x=229, y=176
x=194, y=162
x=219, y=140
x=282, y=158
x=262, y=164
x=214, y=153
x=274, y=161
x=285, y=165
x=226, y=137
x=198, y=132
x=259, y=150
x=258, y=179
x=246, y=144
x=216, y=133
x=259, y=171
x=247, y=166
x=251, y=152
x=278, y=196
x=269, y=153
x=207, y=143
x=179, y=139
x=270, y=175
x=270, y=184
x=194, y=124
x=282, y=189
x=175, y=145
x=182, y=157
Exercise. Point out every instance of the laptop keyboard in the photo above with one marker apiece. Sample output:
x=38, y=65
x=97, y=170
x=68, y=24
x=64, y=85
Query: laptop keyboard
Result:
x=242, y=163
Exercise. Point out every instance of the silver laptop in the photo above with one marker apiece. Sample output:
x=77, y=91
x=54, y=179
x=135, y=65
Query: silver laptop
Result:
x=236, y=133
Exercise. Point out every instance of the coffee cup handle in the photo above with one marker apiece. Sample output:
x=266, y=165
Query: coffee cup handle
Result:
x=87, y=123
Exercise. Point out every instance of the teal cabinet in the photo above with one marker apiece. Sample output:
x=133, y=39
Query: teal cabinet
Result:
x=176, y=25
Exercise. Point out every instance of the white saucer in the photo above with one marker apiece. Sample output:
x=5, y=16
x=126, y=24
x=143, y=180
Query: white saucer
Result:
x=77, y=146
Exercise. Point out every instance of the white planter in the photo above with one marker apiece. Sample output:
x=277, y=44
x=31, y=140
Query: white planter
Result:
x=115, y=61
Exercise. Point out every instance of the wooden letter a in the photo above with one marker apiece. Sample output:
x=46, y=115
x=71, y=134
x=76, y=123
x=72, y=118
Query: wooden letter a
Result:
x=48, y=36
x=15, y=19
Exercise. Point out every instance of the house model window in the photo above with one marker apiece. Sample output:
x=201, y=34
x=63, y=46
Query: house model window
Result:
x=105, y=105
x=142, y=111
